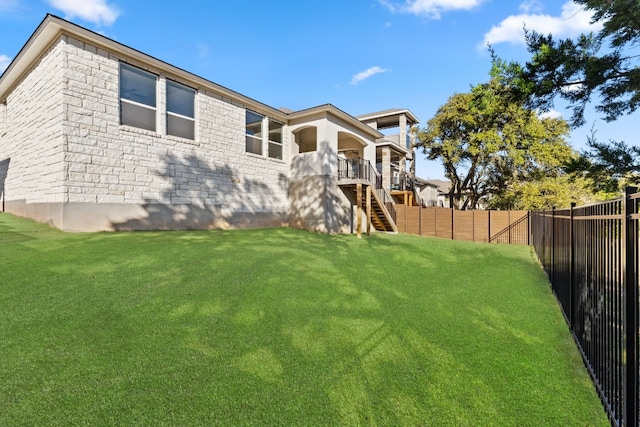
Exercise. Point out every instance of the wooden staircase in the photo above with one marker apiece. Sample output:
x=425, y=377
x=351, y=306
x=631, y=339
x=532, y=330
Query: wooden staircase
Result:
x=377, y=213
x=360, y=180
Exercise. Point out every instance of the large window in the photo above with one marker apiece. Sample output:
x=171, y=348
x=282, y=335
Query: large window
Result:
x=254, y=132
x=275, y=140
x=180, y=110
x=137, y=97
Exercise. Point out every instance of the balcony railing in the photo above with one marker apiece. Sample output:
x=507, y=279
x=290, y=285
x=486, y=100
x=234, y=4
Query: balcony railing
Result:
x=362, y=169
x=406, y=182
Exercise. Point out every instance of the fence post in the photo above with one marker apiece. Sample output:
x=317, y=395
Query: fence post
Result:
x=553, y=246
x=572, y=268
x=630, y=228
x=452, y=222
x=528, y=228
x=489, y=226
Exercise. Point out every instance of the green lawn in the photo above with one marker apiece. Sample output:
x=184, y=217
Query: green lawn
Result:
x=280, y=327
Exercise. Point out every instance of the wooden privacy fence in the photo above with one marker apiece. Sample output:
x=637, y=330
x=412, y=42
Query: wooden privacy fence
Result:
x=510, y=227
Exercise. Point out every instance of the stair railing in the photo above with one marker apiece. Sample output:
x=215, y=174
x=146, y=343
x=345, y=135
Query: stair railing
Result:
x=363, y=169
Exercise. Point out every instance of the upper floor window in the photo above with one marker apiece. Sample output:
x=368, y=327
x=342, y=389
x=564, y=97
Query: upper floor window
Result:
x=254, y=132
x=180, y=110
x=137, y=97
x=275, y=140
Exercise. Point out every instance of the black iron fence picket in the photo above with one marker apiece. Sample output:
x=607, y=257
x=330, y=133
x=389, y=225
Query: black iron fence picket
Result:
x=590, y=254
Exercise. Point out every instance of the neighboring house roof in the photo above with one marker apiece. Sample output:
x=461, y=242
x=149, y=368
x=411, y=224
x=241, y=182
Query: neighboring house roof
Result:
x=425, y=183
x=442, y=185
x=53, y=27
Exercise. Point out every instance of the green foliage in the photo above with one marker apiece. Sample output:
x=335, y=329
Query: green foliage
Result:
x=603, y=65
x=487, y=143
x=280, y=327
x=608, y=167
x=544, y=193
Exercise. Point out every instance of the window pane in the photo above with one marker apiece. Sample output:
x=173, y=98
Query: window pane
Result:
x=137, y=85
x=275, y=151
x=138, y=116
x=254, y=124
x=254, y=145
x=275, y=131
x=179, y=126
x=180, y=99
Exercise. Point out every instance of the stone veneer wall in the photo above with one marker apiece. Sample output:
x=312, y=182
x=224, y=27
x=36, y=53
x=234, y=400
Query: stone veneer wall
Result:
x=119, y=177
x=32, y=143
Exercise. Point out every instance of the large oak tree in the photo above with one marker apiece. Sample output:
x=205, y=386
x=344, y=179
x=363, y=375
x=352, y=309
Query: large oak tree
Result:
x=487, y=143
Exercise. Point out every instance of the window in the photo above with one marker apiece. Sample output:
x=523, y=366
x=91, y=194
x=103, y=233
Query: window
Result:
x=137, y=97
x=254, y=132
x=180, y=110
x=275, y=140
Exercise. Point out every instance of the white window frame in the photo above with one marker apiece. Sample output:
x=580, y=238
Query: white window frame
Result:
x=255, y=138
x=270, y=142
x=154, y=109
x=180, y=116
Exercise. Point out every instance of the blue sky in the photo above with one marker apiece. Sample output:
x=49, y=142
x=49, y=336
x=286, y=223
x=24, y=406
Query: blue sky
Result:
x=359, y=55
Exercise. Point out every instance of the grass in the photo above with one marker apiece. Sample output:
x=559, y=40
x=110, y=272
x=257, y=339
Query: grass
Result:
x=280, y=327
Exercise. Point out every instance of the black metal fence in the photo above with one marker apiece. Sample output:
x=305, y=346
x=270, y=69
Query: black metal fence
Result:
x=590, y=254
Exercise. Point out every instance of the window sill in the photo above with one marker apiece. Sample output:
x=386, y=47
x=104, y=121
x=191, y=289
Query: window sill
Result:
x=140, y=131
x=265, y=158
x=183, y=140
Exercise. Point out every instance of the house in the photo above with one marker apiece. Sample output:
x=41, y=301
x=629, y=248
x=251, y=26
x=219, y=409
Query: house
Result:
x=95, y=135
x=433, y=192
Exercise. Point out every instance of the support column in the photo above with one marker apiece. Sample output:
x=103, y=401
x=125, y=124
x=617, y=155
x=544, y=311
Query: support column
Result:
x=412, y=138
x=368, y=210
x=402, y=123
x=359, y=210
x=386, y=168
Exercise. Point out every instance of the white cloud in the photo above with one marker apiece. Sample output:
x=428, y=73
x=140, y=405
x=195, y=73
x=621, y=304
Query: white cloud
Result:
x=430, y=8
x=362, y=75
x=4, y=62
x=97, y=11
x=551, y=114
x=531, y=6
x=573, y=20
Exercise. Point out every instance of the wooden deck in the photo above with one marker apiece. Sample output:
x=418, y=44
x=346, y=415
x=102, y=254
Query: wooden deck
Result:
x=404, y=197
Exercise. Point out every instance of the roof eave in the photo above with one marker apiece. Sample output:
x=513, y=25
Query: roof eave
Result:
x=53, y=27
x=330, y=108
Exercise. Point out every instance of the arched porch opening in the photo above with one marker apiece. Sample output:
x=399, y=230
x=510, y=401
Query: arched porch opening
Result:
x=350, y=146
x=305, y=140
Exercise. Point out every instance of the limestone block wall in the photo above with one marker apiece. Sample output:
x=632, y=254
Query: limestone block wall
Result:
x=32, y=143
x=121, y=177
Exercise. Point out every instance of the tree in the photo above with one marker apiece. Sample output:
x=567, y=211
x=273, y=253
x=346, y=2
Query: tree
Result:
x=607, y=166
x=543, y=193
x=603, y=64
x=486, y=142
